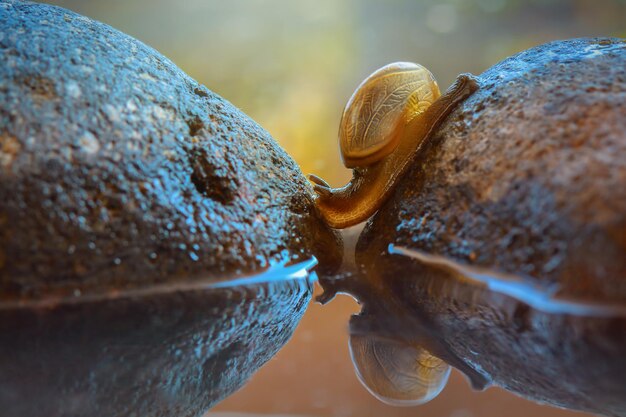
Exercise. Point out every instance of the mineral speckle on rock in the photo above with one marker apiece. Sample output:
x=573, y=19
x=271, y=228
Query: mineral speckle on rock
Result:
x=526, y=177
x=119, y=174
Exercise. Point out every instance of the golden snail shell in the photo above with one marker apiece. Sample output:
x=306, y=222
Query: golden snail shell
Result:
x=380, y=107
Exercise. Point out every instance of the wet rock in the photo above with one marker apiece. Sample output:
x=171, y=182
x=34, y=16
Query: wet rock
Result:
x=125, y=189
x=527, y=178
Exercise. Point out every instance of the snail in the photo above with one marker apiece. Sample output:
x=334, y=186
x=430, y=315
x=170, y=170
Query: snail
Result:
x=386, y=121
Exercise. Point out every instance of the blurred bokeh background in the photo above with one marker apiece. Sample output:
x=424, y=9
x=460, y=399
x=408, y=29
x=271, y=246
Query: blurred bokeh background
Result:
x=292, y=65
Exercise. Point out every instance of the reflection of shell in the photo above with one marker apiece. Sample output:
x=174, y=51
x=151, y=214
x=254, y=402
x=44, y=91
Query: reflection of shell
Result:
x=396, y=373
x=370, y=119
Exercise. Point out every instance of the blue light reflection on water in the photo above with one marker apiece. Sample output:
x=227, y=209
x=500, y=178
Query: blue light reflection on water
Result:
x=278, y=272
x=517, y=287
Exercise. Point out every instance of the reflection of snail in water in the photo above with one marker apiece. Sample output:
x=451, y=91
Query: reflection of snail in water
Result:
x=383, y=125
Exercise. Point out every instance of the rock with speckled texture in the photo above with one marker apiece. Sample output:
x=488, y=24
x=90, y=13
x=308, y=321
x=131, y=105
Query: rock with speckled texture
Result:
x=125, y=186
x=527, y=177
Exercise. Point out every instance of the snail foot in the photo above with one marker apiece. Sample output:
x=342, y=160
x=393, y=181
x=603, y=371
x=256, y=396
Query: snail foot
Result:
x=322, y=191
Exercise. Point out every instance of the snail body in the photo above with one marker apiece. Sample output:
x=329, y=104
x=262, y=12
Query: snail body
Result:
x=385, y=122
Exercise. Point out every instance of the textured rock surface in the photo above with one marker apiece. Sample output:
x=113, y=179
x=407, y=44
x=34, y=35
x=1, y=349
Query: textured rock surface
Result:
x=528, y=176
x=118, y=173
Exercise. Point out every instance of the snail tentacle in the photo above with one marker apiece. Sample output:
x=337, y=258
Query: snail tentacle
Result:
x=317, y=180
x=322, y=190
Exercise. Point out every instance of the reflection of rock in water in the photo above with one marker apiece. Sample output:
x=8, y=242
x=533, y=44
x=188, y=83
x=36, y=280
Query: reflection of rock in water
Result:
x=526, y=177
x=398, y=370
x=167, y=350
